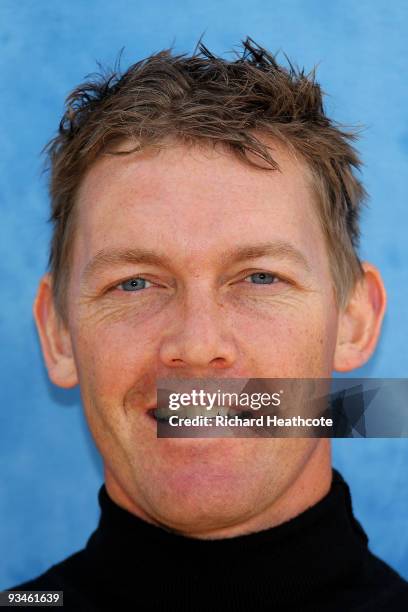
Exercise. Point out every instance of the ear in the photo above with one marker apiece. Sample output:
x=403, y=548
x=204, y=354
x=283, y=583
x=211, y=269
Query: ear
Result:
x=54, y=337
x=360, y=321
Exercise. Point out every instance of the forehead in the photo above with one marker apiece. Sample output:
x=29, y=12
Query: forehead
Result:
x=195, y=198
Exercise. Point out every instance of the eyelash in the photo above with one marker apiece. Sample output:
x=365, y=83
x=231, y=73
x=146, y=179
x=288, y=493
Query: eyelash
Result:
x=277, y=277
x=126, y=280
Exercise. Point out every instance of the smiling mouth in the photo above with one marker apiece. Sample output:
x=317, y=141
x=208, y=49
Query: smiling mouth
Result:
x=162, y=415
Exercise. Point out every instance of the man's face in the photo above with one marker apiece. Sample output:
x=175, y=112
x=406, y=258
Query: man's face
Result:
x=196, y=229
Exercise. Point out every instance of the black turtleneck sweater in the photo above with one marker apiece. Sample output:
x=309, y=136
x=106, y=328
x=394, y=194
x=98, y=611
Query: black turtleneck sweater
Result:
x=317, y=561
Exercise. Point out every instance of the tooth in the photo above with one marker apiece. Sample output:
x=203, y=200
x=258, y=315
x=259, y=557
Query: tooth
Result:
x=220, y=411
x=191, y=412
x=244, y=414
x=161, y=413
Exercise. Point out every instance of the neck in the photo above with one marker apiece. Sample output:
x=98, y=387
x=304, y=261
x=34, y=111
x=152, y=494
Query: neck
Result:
x=307, y=488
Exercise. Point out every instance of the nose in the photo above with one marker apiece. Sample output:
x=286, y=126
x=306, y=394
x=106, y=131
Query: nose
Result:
x=200, y=338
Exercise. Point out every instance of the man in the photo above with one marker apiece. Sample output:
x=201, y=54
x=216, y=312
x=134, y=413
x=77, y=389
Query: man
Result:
x=205, y=225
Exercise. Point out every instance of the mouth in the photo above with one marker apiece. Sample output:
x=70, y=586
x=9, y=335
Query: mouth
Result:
x=162, y=415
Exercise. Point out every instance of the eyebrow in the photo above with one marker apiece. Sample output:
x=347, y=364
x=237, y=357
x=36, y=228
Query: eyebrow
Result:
x=107, y=258
x=279, y=249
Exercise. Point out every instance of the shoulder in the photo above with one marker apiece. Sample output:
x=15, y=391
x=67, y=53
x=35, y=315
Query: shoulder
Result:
x=67, y=576
x=56, y=577
x=389, y=588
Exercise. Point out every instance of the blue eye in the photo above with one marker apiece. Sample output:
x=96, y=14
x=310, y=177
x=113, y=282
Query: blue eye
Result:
x=262, y=278
x=134, y=284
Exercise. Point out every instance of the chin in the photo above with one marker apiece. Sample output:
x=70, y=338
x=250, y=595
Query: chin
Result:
x=198, y=516
x=201, y=498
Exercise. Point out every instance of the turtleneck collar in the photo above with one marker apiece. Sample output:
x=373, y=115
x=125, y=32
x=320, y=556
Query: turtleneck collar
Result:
x=309, y=554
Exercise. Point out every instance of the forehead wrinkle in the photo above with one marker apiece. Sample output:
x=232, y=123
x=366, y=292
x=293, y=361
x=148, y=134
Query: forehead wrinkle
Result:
x=112, y=257
x=278, y=249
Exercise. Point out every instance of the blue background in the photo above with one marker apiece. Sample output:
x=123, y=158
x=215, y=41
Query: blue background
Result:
x=50, y=471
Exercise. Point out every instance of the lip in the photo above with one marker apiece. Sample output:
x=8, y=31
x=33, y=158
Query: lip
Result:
x=232, y=411
x=150, y=412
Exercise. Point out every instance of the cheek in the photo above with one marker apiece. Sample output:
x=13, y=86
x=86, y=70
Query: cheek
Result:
x=111, y=358
x=290, y=343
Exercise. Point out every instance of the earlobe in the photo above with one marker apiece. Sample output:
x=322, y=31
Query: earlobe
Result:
x=54, y=337
x=360, y=321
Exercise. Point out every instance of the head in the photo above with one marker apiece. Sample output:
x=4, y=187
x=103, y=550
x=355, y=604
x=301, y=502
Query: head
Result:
x=205, y=217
